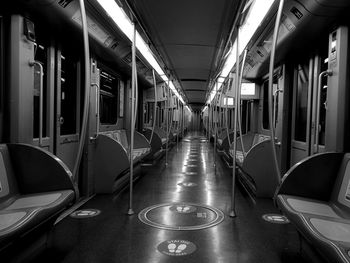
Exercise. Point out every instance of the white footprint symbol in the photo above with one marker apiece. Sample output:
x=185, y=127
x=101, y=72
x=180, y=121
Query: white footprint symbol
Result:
x=180, y=248
x=171, y=247
x=179, y=209
x=186, y=208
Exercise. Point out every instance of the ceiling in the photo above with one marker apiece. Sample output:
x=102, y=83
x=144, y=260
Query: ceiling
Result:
x=189, y=36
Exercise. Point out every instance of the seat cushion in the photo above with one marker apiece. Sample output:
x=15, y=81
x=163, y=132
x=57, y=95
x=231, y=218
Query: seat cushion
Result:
x=27, y=211
x=321, y=224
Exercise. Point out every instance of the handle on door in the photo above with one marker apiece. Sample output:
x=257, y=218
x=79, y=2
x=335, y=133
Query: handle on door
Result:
x=274, y=106
x=327, y=72
x=32, y=63
x=61, y=120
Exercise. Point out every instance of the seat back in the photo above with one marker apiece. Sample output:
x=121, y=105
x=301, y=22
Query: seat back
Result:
x=341, y=189
x=259, y=138
x=8, y=185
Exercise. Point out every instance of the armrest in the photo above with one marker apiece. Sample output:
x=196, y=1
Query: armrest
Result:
x=37, y=170
x=313, y=177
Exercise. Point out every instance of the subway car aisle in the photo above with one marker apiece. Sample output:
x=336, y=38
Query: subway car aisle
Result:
x=181, y=215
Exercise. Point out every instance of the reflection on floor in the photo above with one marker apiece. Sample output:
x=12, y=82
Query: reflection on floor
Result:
x=189, y=186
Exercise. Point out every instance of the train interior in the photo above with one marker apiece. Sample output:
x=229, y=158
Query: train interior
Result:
x=175, y=131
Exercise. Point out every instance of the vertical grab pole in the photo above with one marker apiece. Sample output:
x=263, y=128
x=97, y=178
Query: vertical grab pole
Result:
x=132, y=130
x=87, y=91
x=239, y=100
x=155, y=105
x=178, y=122
x=167, y=106
x=215, y=123
x=233, y=201
x=271, y=67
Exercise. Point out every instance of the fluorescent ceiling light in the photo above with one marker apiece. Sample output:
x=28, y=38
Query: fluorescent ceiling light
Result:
x=256, y=14
x=127, y=27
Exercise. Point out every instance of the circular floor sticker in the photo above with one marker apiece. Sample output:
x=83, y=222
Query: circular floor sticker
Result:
x=181, y=216
x=176, y=247
x=187, y=184
x=275, y=218
x=84, y=213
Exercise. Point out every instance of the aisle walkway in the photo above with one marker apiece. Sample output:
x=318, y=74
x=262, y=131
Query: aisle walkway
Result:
x=188, y=194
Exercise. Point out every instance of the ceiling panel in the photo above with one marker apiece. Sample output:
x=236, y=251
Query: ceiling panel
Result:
x=188, y=35
x=194, y=85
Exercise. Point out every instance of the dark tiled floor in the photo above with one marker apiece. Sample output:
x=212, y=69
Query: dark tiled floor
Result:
x=114, y=236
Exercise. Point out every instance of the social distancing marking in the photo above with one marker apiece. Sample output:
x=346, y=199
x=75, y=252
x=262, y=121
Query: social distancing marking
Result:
x=85, y=213
x=185, y=216
x=176, y=247
x=275, y=218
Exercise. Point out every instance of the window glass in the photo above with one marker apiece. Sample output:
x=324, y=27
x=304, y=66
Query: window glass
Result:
x=109, y=86
x=69, y=93
x=301, y=103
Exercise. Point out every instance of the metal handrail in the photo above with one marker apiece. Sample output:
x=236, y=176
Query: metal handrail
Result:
x=132, y=130
x=239, y=100
x=271, y=70
x=233, y=212
x=155, y=105
x=87, y=91
x=319, y=87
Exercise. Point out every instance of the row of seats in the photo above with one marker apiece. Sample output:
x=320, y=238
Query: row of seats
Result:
x=35, y=187
x=123, y=137
x=315, y=196
x=111, y=159
x=254, y=161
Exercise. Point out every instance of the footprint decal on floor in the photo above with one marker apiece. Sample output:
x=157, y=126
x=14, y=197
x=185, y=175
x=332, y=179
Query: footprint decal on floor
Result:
x=180, y=248
x=171, y=247
x=183, y=209
x=176, y=247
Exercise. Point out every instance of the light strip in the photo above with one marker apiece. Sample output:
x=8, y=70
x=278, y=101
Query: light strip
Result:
x=126, y=26
x=256, y=14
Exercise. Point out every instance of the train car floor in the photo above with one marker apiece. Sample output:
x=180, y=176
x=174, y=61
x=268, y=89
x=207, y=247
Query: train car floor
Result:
x=181, y=215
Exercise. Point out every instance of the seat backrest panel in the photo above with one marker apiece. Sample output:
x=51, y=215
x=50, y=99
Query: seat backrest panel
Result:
x=8, y=185
x=341, y=190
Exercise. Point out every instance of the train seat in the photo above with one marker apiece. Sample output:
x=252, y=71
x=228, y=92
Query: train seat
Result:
x=249, y=141
x=35, y=186
x=122, y=137
x=315, y=196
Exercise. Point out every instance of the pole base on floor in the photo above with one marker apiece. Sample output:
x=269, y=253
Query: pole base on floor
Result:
x=130, y=212
x=233, y=213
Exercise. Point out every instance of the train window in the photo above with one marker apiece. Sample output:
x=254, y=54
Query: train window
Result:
x=266, y=124
x=109, y=86
x=302, y=95
x=246, y=111
x=41, y=56
x=150, y=108
x=69, y=94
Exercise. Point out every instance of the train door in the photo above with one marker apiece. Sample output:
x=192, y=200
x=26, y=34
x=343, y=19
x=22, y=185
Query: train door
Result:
x=309, y=107
x=67, y=106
